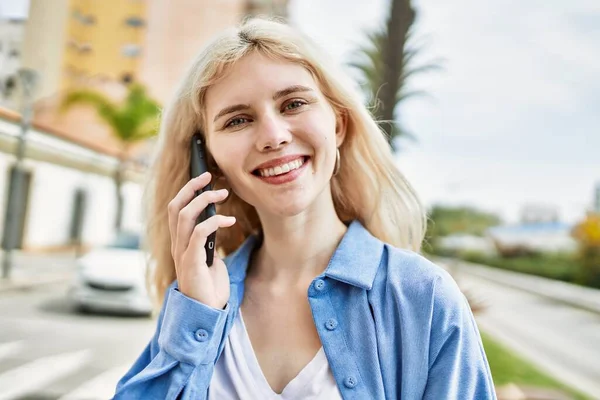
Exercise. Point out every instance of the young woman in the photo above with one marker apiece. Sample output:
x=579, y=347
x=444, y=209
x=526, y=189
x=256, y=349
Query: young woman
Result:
x=321, y=294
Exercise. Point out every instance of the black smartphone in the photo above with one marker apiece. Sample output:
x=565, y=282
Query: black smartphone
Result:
x=198, y=166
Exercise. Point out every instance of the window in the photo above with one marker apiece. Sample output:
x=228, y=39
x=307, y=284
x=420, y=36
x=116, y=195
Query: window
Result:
x=131, y=50
x=88, y=20
x=127, y=78
x=85, y=48
x=126, y=240
x=83, y=19
x=135, y=22
x=9, y=85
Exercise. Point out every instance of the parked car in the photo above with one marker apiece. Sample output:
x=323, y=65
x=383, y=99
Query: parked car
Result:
x=112, y=278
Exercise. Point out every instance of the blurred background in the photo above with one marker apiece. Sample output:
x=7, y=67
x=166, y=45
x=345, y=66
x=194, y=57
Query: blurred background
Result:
x=490, y=107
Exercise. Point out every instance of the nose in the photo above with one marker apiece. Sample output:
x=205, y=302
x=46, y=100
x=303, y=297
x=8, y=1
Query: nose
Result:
x=273, y=132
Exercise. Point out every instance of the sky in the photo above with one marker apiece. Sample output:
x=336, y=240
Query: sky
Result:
x=512, y=118
x=14, y=8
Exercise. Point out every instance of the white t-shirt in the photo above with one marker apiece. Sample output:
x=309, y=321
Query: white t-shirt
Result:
x=237, y=374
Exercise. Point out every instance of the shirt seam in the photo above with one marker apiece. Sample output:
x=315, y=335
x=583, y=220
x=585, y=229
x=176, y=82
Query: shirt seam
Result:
x=431, y=318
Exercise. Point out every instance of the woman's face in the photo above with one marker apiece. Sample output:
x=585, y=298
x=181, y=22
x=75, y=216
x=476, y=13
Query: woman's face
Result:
x=273, y=134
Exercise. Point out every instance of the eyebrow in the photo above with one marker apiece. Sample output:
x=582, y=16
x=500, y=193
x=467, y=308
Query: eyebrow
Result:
x=290, y=90
x=279, y=94
x=231, y=109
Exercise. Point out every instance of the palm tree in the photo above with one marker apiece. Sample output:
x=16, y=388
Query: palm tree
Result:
x=385, y=65
x=132, y=121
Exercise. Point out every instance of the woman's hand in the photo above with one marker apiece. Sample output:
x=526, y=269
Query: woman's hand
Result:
x=208, y=285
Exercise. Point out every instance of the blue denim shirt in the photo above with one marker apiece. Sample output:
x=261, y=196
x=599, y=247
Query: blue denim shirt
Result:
x=392, y=324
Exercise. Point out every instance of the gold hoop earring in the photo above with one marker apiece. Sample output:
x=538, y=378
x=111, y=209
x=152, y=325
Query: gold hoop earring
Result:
x=337, y=162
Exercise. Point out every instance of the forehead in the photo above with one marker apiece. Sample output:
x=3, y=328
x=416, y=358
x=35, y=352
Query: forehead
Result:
x=255, y=76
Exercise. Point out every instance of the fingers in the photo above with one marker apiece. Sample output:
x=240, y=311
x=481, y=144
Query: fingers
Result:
x=181, y=199
x=188, y=216
x=184, y=196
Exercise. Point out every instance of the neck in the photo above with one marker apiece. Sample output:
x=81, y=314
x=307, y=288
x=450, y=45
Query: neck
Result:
x=298, y=248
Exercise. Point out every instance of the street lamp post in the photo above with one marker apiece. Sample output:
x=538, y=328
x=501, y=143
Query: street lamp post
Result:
x=14, y=207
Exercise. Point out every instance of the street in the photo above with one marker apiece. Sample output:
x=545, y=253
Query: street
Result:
x=561, y=340
x=48, y=351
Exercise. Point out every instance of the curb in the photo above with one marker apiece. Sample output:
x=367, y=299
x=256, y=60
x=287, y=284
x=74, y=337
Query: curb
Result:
x=573, y=295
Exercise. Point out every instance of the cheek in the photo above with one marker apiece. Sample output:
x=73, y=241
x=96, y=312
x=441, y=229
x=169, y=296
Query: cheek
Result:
x=229, y=155
x=319, y=130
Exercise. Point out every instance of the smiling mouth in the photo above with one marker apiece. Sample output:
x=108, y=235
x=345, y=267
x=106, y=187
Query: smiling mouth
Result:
x=281, y=169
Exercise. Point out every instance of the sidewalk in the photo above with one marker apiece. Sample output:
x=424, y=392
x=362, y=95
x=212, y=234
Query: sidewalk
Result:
x=30, y=270
x=560, y=340
x=568, y=293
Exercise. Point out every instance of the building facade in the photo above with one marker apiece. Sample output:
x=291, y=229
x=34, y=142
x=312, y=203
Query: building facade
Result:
x=105, y=44
x=104, y=39
x=44, y=44
x=12, y=31
x=70, y=159
x=60, y=173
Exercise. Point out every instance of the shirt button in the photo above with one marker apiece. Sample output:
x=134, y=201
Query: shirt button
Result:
x=320, y=285
x=331, y=324
x=350, y=382
x=201, y=335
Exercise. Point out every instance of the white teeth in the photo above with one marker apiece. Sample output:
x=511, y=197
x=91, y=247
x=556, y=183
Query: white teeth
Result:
x=282, y=169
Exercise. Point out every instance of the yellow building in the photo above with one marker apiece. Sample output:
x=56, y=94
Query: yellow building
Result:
x=102, y=44
x=104, y=39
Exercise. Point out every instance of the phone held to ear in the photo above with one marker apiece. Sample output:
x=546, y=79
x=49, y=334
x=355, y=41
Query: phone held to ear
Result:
x=198, y=166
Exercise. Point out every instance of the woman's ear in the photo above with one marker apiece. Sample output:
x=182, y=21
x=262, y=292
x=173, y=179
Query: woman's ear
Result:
x=212, y=164
x=341, y=125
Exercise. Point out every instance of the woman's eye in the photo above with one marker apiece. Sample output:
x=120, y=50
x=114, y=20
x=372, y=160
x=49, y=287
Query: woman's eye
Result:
x=236, y=122
x=294, y=104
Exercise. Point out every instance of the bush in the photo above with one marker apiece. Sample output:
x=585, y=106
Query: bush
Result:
x=559, y=266
x=589, y=273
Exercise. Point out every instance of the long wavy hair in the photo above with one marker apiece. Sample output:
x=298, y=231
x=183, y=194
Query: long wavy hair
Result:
x=369, y=187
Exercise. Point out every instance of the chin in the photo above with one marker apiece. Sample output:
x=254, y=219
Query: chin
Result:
x=290, y=209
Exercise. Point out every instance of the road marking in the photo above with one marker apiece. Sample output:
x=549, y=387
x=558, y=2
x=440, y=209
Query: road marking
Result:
x=10, y=348
x=101, y=387
x=39, y=373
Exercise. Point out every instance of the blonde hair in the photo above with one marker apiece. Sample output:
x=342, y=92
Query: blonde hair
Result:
x=368, y=187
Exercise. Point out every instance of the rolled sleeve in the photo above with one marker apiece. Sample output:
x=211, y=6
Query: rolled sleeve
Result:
x=191, y=331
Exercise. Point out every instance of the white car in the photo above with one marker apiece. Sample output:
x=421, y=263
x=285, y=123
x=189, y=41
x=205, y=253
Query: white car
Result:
x=112, y=278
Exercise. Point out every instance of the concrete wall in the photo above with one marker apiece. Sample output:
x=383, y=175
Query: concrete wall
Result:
x=52, y=192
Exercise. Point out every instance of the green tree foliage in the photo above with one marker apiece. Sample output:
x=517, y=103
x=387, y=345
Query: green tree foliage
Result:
x=385, y=64
x=444, y=221
x=131, y=121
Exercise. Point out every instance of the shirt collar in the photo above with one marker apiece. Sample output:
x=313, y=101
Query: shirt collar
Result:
x=355, y=260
